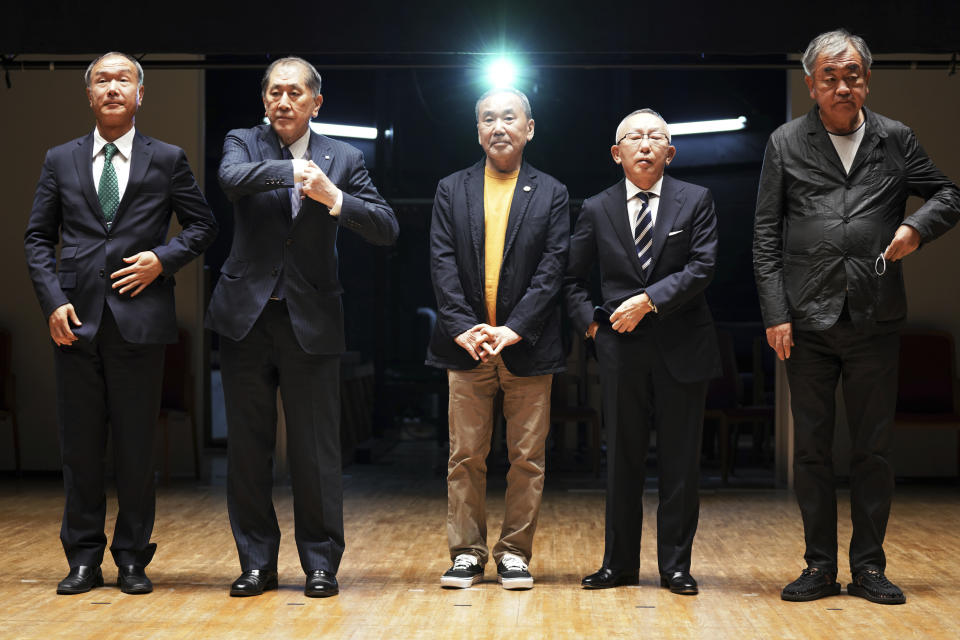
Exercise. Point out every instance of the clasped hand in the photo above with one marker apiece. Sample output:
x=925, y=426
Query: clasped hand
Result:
x=483, y=341
x=316, y=185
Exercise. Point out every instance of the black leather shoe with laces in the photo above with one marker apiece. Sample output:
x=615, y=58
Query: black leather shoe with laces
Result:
x=813, y=583
x=874, y=586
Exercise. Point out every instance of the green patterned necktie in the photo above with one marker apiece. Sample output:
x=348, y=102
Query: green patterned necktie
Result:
x=109, y=191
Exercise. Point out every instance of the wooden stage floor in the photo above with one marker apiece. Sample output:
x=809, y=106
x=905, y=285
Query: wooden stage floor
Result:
x=748, y=546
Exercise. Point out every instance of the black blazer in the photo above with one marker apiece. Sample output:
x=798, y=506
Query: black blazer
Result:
x=531, y=274
x=266, y=237
x=684, y=258
x=66, y=206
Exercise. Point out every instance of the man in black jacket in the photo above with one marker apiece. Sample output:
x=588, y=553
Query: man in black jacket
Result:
x=498, y=248
x=828, y=237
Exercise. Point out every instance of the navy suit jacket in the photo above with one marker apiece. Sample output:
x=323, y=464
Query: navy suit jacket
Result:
x=66, y=207
x=266, y=238
x=684, y=257
x=531, y=274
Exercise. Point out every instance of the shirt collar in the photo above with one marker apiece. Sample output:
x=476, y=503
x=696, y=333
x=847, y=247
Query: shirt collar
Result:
x=633, y=189
x=124, y=143
x=299, y=147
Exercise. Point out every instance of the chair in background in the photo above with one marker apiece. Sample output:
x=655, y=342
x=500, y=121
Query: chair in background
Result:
x=928, y=394
x=176, y=401
x=726, y=405
x=8, y=393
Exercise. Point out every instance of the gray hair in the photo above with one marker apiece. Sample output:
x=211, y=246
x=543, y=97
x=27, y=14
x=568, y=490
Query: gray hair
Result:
x=639, y=111
x=527, y=111
x=136, y=64
x=313, y=76
x=835, y=43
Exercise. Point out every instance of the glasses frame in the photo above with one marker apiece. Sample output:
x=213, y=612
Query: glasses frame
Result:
x=648, y=135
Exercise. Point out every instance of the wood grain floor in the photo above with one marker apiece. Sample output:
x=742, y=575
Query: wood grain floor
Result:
x=748, y=546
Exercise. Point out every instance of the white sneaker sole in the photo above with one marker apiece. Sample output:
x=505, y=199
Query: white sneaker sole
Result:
x=460, y=583
x=515, y=583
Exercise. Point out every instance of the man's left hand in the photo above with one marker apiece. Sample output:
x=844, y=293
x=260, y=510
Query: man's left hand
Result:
x=144, y=269
x=630, y=312
x=497, y=338
x=318, y=186
x=904, y=242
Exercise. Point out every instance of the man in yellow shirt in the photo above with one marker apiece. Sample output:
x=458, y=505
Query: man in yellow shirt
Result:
x=498, y=250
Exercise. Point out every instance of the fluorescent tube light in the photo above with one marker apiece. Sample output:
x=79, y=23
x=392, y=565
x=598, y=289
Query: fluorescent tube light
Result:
x=707, y=126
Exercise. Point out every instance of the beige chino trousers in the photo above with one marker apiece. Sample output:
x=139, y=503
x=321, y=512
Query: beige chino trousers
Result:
x=526, y=407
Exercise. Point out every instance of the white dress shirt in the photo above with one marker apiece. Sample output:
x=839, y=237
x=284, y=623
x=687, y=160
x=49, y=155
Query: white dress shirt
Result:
x=633, y=204
x=120, y=161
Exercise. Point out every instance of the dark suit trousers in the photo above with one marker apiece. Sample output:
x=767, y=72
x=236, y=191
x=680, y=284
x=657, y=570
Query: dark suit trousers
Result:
x=253, y=368
x=638, y=391
x=868, y=367
x=108, y=380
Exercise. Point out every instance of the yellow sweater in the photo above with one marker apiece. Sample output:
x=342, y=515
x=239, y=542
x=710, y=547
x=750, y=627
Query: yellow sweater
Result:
x=497, y=197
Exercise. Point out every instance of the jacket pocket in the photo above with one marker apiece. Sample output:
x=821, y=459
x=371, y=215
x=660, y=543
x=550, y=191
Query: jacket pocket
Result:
x=234, y=268
x=68, y=279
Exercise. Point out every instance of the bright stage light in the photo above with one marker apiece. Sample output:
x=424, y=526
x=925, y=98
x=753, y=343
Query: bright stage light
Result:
x=707, y=126
x=501, y=73
x=344, y=130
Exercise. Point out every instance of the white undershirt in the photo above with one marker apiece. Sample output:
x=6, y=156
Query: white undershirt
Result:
x=120, y=160
x=847, y=145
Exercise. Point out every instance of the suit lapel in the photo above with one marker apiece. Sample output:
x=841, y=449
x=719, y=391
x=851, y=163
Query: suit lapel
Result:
x=871, y=138
x=270, y=150
x=83, y=161
x=615, y=206
x=473, y=184
x=671, y=200
x=820, y=140
x=522, y=194
x=321, y=152
x=140, y=156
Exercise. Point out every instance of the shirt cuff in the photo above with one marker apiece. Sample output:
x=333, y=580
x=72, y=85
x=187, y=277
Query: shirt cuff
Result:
x=335, y=209
x=299, y=164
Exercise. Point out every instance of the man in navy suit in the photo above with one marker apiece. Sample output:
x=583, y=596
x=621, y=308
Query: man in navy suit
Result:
x=277, y=310
x=110, y=307
x=498, y=245
x=655, y=241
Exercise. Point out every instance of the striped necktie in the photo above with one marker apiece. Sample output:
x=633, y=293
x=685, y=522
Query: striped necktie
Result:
x=296, y=190
x=643, y=232
x=109, y=190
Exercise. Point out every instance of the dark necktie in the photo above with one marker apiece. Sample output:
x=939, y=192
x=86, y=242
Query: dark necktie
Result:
x=643, y=232
x=109, y=191
x=296, y=190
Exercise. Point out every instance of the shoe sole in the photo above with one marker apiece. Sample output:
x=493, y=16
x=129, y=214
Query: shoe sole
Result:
x=320, y=594
x=516, y=584
x=860, y=592
x=833, y=590
x=270, y=586
x=625, y=583
x=73, y=592
x=460, y=583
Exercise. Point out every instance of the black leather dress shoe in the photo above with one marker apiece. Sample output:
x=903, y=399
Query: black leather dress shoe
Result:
x=254, y=582
x=606, y=578
x=680, y=582
x=321, y=584
x=80, y=580
x=133, y=580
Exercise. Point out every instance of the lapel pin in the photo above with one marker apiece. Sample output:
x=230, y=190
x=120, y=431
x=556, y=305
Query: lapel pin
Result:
x=326, y=157
x=526, y=187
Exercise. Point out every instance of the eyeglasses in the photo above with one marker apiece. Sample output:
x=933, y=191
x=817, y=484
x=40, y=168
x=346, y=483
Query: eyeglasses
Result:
x=635, y=137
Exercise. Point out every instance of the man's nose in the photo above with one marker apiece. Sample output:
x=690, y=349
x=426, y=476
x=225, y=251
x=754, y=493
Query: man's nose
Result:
x=284, y=101
x=843, y=87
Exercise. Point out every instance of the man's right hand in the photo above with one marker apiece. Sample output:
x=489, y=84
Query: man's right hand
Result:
x=780, y=339
x=59, y=323
x=472, y=340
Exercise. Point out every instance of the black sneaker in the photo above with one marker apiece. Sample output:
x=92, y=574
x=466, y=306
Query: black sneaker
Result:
x=812, y=584
x=512, y=573
x=874, y=586
x=466, y=571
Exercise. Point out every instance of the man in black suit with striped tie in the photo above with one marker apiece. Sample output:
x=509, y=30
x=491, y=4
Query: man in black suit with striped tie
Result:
x=654, y=239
